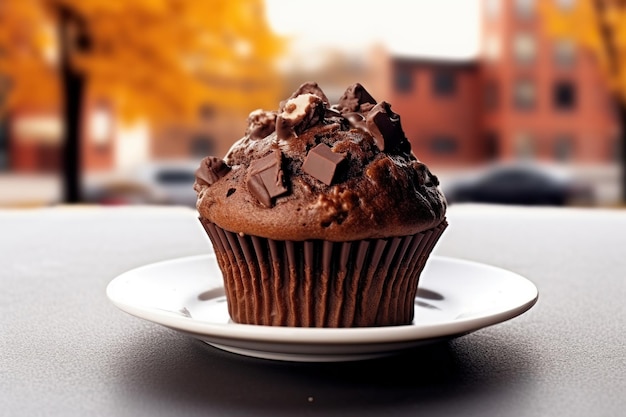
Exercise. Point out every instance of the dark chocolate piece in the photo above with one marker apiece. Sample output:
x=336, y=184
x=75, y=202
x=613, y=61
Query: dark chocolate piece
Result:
x=357, y=120
x=331, y=113
x=321, y=162
x=385, y=127
x=265, y=178
x=211, y=169
x=334, y=116
x=356, y=98
x=283, y=129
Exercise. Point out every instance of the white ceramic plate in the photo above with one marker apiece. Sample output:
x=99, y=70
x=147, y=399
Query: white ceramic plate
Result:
x=455, y=298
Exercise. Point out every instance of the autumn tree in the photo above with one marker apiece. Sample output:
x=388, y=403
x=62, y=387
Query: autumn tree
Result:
x=155, y=59
x=599, y=26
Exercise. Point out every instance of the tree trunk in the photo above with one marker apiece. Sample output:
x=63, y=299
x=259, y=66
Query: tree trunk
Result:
x=621, y=112
x=71, y=33
x=72, y=117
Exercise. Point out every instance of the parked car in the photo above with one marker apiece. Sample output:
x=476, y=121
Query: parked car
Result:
x=522, y=184
x=163, y=182
x=120, y=191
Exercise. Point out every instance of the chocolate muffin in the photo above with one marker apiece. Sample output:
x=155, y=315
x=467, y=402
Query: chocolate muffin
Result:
x=321, y=215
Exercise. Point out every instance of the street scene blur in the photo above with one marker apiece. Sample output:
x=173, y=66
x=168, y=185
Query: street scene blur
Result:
x=507, y=101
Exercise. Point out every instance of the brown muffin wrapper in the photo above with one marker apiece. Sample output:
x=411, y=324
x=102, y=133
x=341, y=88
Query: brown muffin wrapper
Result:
x=321, y=283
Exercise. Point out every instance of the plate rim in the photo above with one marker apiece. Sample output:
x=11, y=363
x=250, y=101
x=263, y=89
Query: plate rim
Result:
x=321, y=336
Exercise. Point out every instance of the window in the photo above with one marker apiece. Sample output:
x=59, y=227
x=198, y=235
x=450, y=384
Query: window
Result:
x=563, y=149
x=564, y=95
x=403, y=79
x=564, y=53
x=443, y=145
x=524, y=48
x=524, y=9
x=444, y=83
x=524, y=145
x=491, y=47
x=524, y=94
x=491, y=95
x=615, y=150
x=100, y=126
x=201, y=146
x=492, y=145
x=48, y=157
x=492, y=8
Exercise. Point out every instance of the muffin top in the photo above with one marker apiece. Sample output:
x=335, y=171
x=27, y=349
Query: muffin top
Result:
x=312, y=170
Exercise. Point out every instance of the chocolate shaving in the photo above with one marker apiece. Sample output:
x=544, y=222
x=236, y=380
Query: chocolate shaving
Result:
x=321, y=163
x=211, y=169
x=356, y=98
x=385, y=127
x=265, y=178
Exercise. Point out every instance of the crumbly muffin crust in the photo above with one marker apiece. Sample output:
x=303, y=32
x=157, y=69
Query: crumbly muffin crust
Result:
x=315, y=171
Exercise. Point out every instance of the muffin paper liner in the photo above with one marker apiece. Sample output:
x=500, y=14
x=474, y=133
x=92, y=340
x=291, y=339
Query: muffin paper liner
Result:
x=318, y=283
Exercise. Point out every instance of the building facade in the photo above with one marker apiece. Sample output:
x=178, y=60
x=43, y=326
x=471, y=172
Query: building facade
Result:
x=437, y=101
x=527, y=96
x=212, y=133
x=31, y=140
x=34, y=139
x=544, y=98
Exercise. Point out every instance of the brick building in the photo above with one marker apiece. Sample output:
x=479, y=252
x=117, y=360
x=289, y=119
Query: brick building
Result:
x=526, y=97
x=33, y=140
x=438, y=104
x=212, y=133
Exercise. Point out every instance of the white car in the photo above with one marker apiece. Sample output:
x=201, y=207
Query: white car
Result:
x=171, y=181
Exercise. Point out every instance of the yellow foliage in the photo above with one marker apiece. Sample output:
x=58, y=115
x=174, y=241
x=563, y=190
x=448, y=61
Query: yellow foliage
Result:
x=150, y=58
x=600, y=26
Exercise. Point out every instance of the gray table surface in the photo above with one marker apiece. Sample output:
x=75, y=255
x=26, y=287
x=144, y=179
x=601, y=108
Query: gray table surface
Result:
x=65, y=350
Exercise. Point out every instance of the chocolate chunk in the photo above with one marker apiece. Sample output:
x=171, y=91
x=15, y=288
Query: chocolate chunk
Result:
x=334, y=116
x=356, y=120
x=265, y=178
x=366, y=107
x=330, y=113
x=260, y=124
x=356, y=98
x=211, y=169
x=299, y=114
x=385, y=127
x=321, y=162
x=309, y=87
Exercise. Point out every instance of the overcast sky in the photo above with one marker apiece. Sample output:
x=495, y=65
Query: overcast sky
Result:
x=436, y=28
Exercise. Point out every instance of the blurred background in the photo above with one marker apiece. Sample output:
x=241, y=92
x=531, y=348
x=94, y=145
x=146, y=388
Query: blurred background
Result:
x=113, y=102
